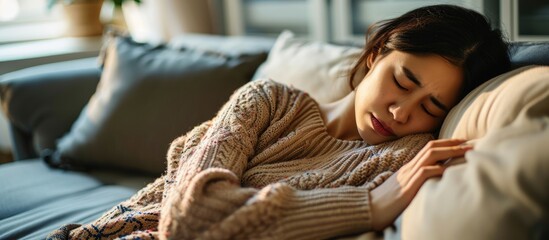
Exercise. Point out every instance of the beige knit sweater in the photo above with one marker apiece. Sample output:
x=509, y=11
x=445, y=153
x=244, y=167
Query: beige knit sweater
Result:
x=263, y=168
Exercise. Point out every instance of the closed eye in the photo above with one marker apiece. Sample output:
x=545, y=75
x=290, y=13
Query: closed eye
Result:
x=427, y=111
x=398, y=84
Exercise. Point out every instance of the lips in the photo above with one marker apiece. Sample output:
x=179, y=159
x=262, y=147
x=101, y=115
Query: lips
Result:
x=380, y=128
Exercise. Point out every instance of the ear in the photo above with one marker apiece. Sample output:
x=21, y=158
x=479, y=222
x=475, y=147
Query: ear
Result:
x=370, y=60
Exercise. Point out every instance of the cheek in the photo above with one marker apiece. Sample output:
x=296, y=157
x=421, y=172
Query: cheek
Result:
x=371, y=92
x=365, y=101
x=423, y=124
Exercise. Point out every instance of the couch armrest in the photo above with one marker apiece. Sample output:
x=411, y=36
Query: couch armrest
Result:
x=42, y=102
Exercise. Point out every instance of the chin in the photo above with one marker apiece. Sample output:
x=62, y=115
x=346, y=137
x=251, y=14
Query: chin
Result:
x=372, y=138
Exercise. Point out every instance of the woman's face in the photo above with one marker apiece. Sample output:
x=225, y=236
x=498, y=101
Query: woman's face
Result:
x=403, y=94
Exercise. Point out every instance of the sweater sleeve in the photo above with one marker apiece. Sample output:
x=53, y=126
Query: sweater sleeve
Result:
x=207, y=200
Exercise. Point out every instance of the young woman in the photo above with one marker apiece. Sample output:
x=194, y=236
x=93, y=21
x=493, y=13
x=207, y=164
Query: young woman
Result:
x=275, y=164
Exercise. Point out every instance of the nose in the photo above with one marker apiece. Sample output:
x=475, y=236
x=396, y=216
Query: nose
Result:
x=401, y=112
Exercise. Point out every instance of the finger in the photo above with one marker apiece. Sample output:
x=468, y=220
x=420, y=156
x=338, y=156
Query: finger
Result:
x=434, y=155
x=423, y=174
x=439, y=143
x=446, y=142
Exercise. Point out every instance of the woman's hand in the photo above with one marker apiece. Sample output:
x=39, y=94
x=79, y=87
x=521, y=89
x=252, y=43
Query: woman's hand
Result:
x=393, y=196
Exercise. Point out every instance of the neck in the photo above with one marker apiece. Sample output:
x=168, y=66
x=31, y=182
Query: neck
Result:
x=339, y=117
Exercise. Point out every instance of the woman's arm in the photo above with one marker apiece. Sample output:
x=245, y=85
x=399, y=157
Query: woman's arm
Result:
x=394, y=195
x=205, y=187
x=206, y=199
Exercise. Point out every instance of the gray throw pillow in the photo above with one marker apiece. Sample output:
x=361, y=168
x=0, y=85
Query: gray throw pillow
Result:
x=147, y=96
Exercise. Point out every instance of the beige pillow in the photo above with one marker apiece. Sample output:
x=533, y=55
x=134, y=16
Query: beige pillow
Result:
x=318, y=68
x=498, y=102
x=501, y=192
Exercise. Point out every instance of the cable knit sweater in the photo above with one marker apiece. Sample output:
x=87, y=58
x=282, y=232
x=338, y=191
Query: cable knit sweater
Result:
x=263, y=168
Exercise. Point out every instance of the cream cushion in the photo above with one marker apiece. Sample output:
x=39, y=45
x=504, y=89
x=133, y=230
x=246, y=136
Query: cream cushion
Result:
x=501, y=192
x=498, y=102
x=318, y=68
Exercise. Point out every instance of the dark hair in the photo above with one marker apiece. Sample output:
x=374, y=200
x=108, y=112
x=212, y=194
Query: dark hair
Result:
x=462, y=36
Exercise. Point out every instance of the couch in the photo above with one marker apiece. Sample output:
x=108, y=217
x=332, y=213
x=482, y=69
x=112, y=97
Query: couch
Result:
x=87, y=134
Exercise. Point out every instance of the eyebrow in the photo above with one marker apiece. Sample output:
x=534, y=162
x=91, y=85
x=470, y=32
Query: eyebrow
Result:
x=410, y=75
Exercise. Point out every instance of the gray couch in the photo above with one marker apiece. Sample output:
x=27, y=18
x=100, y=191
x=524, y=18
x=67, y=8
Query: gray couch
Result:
x=43, y=102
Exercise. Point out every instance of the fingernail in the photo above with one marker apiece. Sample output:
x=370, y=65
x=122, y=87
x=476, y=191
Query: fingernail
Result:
x=467, y=146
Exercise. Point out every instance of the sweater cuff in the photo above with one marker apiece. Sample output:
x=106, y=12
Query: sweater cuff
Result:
x=378, y=180
x=321, y=213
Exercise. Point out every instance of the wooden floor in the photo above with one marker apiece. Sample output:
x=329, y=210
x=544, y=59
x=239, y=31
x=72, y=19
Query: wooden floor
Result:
x=5, y=157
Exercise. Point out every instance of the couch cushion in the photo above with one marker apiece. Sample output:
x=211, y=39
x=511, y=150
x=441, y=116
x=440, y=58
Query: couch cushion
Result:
x=147, y=96
x=80, y=207
x=233, y=45
x=37, y=199
x=31, y=183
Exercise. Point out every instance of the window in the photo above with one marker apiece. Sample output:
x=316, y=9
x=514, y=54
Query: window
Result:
x=342, y=21
x=532, y=19
x=270, y=17
x=363, y=13
x=23, y=20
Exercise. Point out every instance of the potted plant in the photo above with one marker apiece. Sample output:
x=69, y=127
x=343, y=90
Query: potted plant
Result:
x=117, y=3
x=82, y=16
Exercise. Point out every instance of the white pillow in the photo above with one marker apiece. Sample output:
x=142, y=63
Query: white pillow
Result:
x=318, y=68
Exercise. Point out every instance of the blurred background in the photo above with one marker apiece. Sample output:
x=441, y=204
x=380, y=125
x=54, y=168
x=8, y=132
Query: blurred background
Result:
x=34, y=32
